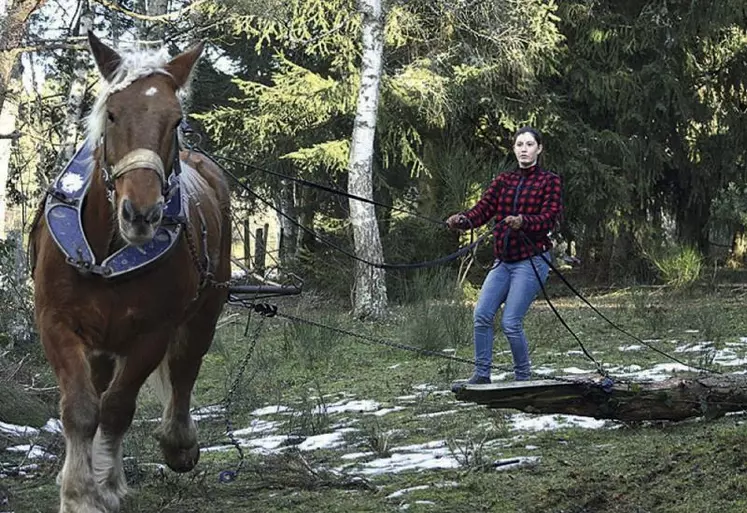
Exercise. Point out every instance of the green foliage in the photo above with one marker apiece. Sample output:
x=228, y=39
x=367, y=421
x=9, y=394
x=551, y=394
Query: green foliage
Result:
x=438, y=317
x=678, y=266
x=730, y=206
x=311, y=345
x=16, y=318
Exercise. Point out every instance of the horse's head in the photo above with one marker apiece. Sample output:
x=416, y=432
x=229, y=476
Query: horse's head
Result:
x=135, y=119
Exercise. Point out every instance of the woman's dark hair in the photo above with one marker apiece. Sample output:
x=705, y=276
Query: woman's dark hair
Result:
x=529, y=130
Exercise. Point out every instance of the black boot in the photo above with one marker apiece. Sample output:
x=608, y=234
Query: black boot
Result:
x=474, y=380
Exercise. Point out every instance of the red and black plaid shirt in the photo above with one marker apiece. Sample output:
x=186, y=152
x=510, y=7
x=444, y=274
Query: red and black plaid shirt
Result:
x=534, y=193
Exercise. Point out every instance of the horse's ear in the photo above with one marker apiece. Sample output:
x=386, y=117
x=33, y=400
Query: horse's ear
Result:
x=106, y=59
x=181, y=66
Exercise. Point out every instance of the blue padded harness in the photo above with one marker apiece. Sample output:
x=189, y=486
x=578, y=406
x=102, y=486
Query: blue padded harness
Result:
x=63, y=212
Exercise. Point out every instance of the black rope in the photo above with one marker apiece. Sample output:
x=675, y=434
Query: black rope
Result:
x=599, y=366
x=383, y=265
x=322, y=187
x=595, y=310
x=366, y=339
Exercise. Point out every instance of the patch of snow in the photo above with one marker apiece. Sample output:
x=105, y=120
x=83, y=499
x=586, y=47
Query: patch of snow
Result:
x=325, y=441
x=218, y=448
x=544, y=370
x=53, y=426
x=16, y=430
x=348, y=406
x=632, y=347
x=425, y=387
x=728, y=358
x=431, y=455
x=33, y=452
x=385, y=411
x=576, y=370
x=659, y=372
x=693, y=348
x=271, y=410
x=527, y=422
x=514, y=463
x=499, y=377
x=257, y=426
x=208, y=412
x=400, y=493
x=265, y=445
x=356, y=455
x=435, y=414
x=408, y=398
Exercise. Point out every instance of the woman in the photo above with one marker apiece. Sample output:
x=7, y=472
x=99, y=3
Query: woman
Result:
x=526, y=204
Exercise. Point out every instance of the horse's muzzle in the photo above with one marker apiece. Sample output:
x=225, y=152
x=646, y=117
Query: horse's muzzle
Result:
x=138, y=225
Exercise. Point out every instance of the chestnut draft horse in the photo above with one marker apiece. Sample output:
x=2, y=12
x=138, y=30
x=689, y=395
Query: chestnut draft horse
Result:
x=106, y=327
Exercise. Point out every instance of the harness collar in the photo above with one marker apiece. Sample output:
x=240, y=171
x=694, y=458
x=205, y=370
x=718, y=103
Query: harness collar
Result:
x=63, y=212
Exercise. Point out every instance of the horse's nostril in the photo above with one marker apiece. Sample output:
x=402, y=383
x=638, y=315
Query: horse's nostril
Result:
x=154, y=213
x=128, y=210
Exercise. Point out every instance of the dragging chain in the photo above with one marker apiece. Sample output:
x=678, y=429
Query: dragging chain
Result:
x=265, y=311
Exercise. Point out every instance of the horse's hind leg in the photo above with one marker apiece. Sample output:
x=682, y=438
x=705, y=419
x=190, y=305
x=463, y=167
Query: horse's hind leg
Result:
x=175, y=378
x=117, y=410
x=79, y=411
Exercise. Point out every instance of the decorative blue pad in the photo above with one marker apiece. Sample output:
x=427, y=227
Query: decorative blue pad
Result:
x=63, y=213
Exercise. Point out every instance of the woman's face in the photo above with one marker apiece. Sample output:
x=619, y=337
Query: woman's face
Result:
x=526, y=149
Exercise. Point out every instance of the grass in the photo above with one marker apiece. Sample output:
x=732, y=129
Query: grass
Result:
x=693, y=466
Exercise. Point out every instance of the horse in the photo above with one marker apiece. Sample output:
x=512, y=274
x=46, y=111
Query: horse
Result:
x=131, y=289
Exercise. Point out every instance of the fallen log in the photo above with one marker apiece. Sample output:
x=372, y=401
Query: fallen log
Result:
x=591, y=396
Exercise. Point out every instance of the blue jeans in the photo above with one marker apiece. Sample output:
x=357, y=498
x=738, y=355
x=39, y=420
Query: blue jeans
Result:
x=514, y=284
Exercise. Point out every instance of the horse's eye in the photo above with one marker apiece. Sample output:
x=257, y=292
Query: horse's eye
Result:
x=110, y=116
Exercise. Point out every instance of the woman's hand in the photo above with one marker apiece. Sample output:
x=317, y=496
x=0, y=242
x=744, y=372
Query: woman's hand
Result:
x=514, y=222
x=454, y=222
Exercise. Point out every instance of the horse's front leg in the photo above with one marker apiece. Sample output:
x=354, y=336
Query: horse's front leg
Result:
x=117, y=411
x=79, y=407
x=176, y=377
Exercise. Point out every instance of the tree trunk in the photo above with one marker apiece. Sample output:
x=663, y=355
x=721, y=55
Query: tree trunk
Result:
x=13, y=22
x=156, y=29
x=673, y=399
x=369, y=293
x=738, y=248
x=12, y=31
x=7, y=125
x=76, y=94
x=286, y=202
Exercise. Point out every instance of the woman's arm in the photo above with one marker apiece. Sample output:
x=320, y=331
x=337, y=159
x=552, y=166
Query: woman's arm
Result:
x=551, y=210
x=484, y=210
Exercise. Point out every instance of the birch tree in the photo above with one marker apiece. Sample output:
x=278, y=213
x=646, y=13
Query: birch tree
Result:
x=74, y=107
x=13, y=24
x=14, y=19
x=369, y=293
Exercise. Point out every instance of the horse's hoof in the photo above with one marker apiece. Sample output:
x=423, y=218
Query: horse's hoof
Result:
x=181, y=459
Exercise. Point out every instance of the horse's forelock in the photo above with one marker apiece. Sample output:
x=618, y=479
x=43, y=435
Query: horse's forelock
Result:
x=134, y=65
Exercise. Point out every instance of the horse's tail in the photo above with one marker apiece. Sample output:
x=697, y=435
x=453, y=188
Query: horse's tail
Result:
x=160, y=379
